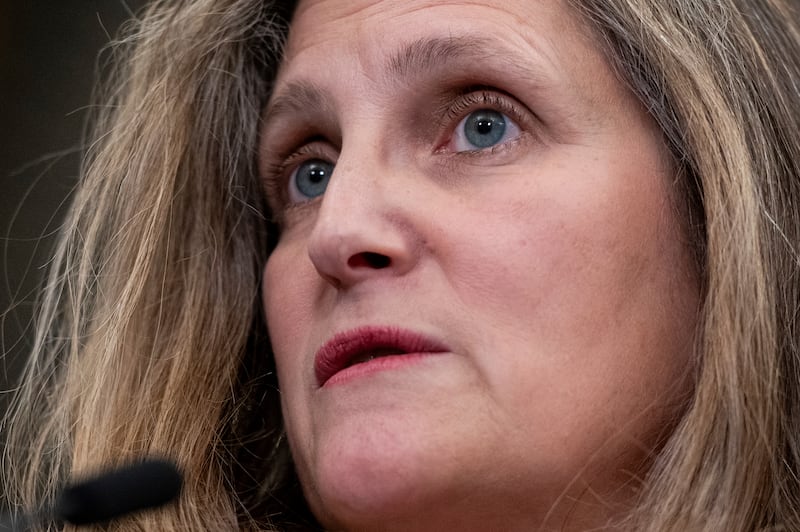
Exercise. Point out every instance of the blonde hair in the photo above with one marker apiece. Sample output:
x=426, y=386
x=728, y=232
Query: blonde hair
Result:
x=721, y=80
x=151, y=316
x=151, y=338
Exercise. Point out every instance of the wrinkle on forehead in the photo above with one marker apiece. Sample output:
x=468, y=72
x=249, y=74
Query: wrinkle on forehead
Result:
x=348, y=46
x=318, y=21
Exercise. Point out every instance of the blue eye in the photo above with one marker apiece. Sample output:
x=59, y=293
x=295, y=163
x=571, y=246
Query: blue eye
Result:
x=309, y=180
x=483, y=129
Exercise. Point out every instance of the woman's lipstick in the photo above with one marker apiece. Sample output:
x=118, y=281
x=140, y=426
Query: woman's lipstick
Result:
x=371, y=348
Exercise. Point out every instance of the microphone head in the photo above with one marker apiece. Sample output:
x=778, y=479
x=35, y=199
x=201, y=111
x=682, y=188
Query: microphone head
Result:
x=135, y=487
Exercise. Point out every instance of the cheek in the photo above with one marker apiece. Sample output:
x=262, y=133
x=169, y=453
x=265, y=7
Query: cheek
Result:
x=576, y=250
x=288, y=307
x=588, y=284
x=545, y=263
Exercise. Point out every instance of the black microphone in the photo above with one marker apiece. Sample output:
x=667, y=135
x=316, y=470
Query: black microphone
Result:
x=140, y=486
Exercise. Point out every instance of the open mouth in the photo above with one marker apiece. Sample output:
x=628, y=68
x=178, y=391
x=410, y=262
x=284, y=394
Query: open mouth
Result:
x=372, y=355
x=364, y=344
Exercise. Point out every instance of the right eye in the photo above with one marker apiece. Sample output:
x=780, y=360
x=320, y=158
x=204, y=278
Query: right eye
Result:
x=309, y=180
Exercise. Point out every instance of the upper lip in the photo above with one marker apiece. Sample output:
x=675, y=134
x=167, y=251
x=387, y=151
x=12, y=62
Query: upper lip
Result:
x=344, y=347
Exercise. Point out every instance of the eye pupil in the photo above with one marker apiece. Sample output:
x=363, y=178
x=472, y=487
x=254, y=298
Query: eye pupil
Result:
x=316, y=175
x=484, y=128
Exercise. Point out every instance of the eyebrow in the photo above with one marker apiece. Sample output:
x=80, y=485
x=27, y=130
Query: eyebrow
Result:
x=297, y=97
x=423, y=55
x=414, y=59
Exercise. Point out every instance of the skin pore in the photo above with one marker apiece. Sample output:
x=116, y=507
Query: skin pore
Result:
x=475, y=174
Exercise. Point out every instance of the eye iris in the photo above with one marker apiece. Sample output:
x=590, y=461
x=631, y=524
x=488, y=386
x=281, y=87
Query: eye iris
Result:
x=312, y=177
x=484, y=128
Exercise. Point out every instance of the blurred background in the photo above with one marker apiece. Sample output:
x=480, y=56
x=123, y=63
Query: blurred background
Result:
x=48, y=57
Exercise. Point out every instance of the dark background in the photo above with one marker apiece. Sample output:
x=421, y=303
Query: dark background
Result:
x=48, y=63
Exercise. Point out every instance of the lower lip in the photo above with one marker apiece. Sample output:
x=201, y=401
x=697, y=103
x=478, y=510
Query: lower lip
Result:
x=380, y=364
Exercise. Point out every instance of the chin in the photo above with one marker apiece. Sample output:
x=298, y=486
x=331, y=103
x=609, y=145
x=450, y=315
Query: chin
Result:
x=377, y=480
x=372, y=481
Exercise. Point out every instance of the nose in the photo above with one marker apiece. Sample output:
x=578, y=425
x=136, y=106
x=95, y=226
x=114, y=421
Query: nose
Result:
x=363, y=228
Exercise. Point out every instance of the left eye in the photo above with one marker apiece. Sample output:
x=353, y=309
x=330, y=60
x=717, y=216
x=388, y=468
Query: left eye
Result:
x=309, y=180
x=482, y=129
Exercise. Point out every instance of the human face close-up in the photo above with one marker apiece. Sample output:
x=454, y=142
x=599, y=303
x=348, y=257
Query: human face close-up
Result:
x=482, y=301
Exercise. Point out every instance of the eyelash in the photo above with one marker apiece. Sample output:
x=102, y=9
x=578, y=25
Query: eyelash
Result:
x=282, y=163
x=473, y=99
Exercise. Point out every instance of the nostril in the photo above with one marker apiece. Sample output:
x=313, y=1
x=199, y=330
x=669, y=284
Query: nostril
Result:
x=369, y=260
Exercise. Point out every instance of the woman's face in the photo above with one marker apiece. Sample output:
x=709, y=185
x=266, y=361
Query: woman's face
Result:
x=469, y=195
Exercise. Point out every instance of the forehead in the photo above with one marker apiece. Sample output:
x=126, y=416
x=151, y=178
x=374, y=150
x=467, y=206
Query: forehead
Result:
x=360, y=55
x=369, y=30
x=343, y=46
